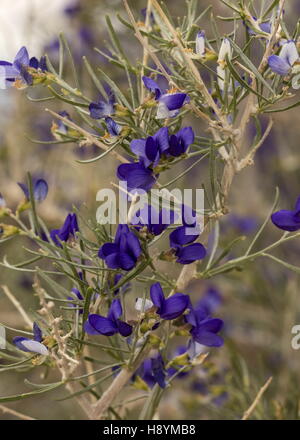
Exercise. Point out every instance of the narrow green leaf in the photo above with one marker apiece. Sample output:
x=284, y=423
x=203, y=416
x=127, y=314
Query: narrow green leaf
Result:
x=283, y=109
x=251, y=66
x=242, y=82
x=31, y=394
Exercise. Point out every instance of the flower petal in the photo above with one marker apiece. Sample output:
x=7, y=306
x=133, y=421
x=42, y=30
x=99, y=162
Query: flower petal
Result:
x=115, y=310
x=34, y=63
x=100, y=109
x=162, y=137
x=151, y=150
x=21, y=59
x=64, y=231
x=37, y=333
x=278, y=65
x=54, y=236
x=40, y=190
x=158, y=370
x=136, y=175
x=190, y=253
x=133, y=245
x=174, y=306
x=173, y=101
x=74, y=224
x=163, y=112
x=207, y=338
x=89, y=329
x=18, y=342
x=102, y=325
x=113, y=128
x=157, y=295
x=286, y=220
x=124, y=328
x=152, y=85
x=213, y=325
x=179, y=237
x=289, y=53
x=107, y=249
x=126, y=262
x=138, y=146
x=200, y=43
x=25, y=189
x=186, y=136
x=35, y=347
x=142, y=305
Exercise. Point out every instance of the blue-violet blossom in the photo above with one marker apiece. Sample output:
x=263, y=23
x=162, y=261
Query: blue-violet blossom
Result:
x=110, y=325
x=288, y=220
x=123, y=252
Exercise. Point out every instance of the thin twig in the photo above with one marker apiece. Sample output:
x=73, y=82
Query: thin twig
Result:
x=257, y=399
x=248, y=160
x=89, y=136
x=21, y=416
x=17, y=304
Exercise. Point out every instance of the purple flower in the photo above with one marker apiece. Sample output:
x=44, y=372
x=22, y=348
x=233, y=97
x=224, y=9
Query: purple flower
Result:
x=204, y=329
x=40, y=190
x=79, y=296
x=151, y=149
x=152, y=371
x=110, y=325
x=19, y=69
x=152, y=85
x=283, y=63
x=68, y=230
x=156, y=222
x=180, y=142
x=113, y=128
x=168, y=103
x=287, y=220
x=101, y=108
x=265, y=27
x=123, y=252
x=32, y=345
x=136, y=175
x=186, y=252
x=171, y=307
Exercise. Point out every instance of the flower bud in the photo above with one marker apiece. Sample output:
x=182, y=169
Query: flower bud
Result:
x=225, y=50
x=155, y=341
x=181, y=360
x=200, y=44
x=139, y=384
x=8, y=230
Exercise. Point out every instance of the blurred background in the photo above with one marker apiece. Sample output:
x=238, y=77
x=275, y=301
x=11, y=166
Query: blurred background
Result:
x=259, y=305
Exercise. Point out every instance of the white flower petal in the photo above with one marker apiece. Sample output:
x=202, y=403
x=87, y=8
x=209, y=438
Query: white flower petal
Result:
x=225, y=50
x=140, y=302
x=162, y=111
x=289, y=53
x=36, y=347
x=200, y=44
x=195, y=349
